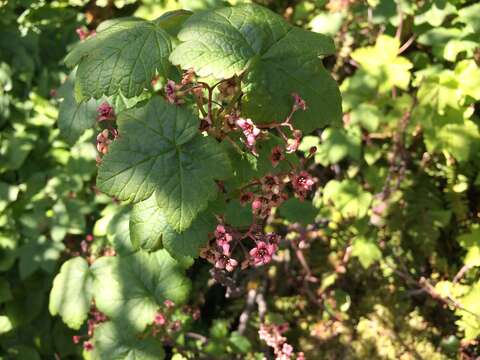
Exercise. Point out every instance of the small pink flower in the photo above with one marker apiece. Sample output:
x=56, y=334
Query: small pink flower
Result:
x=103, y=141
x=276, y=155
x=159, y=319
x=176, y=326
x=84, y=33
x=287, y=349
x=196, y=314
x=246, y=198
x=208, y=254
x=272, y=238
x=302, y=184
x=249, y=130
x=271, y=184
x=256, y=204
x=105, y=112
x=169, y=304
x=88, y=346
x=223, y=239
x=299, y=103
x=300, y=356
x=224, y=262
x=261, y=206
x=170, y=91
x=76, y=339
x=292, y=145
x=276, y=199
x=188, y=77
x=262, y=253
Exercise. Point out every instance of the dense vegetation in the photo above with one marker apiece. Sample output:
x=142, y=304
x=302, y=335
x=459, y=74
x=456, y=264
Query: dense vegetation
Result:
x=289, y=180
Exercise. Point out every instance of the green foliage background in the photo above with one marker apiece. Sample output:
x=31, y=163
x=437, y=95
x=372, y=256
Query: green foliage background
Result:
x=393, y=228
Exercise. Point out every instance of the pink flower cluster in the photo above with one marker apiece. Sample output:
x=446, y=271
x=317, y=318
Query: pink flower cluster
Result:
x=96, y=318
x=272, y=335
x=163, y=320
x=219, y=253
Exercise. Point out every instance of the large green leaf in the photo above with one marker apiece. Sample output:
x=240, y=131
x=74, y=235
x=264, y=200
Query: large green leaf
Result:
x=131, y=288
x=123, y=57
x=161, y=151
x=111, y=341
x=71, y=294
x=149, y=229
x=278, y=59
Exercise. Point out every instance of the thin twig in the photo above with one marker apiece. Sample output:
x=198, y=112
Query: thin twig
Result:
x=245, y=315
x=196, y=336
x=407, y=44
x=262, y=306
x=461, y=273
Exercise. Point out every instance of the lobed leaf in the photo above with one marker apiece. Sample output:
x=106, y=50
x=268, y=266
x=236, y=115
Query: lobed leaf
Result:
x=71, y=294
x=161, y=151
x=124, y=56
x=130, y=289
x=111, y=341
x=150, y=230
x=274, y=58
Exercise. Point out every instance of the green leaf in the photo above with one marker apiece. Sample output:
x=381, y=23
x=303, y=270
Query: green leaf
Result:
x=71, y=294
x=471, y=243
x=149, y=229
x=438, y=37
x=74, y=118
x=438, y=89
x=436, y=13
x=132, y=288
x=469, y=321
x=382, y=62
x=122, y=57
x=348, y=197
x=111, y=341
x=366, y=115
x=39, y=253
x=277, y=59
x=118, y=231
x=161, y=151
x=366, y=250
x=240, y=343
x=467, y=74
x=460, y=140
x=337, y=144
x=294, y=210
x=470, y=16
